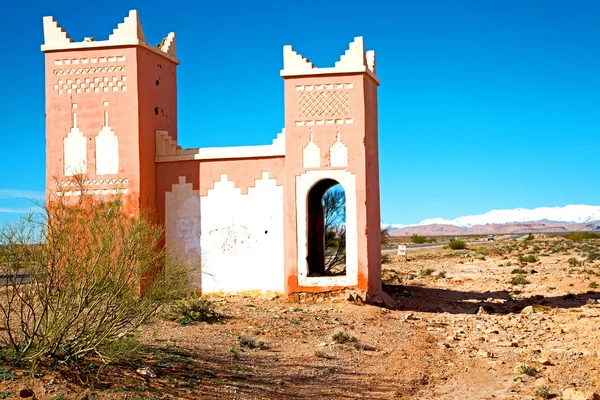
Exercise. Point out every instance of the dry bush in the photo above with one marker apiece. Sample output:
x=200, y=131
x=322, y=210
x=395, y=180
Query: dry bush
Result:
x=193, y=308
x=84, y=260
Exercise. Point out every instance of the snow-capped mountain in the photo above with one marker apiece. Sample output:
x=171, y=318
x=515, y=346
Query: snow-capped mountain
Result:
x=542, y=219
x=576, y=214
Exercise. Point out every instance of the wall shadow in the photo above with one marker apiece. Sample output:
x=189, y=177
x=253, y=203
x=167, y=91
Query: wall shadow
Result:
x=433, y=300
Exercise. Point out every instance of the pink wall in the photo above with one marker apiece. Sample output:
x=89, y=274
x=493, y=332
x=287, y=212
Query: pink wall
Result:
x=361, y=139
x=90, y=109
x=131, y=113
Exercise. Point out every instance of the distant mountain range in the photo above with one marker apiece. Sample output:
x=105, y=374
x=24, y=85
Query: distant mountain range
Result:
x=542, y=219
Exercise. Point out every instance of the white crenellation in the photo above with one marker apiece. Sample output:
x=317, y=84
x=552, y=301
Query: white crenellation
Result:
x=242, y=237
x=54, y=34
x=107, y=150
x=294, y=62
x=130, y=28
x=354, y=57
x=168, y=44
x=354, y=60
x=371, y=61
x=338, y=153
x=311, y=154
x=127, y=33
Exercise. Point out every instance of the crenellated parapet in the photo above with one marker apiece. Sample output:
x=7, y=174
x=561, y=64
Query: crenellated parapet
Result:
x=354, y=60
x=128, y=33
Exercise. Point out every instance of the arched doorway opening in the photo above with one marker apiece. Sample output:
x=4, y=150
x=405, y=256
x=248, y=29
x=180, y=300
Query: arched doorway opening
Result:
x=326, y=229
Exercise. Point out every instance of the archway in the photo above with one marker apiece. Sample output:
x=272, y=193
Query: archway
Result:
x=326, y=229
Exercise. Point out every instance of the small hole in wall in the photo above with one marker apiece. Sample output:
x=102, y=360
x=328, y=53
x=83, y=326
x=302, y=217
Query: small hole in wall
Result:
x=156, y=110
x=157, y=82
x=266, y=232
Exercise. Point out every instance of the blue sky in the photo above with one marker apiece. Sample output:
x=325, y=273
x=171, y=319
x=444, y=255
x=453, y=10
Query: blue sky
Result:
x=483, y=104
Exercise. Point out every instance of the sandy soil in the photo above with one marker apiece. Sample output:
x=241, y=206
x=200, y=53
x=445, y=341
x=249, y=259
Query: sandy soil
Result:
x=460, y=330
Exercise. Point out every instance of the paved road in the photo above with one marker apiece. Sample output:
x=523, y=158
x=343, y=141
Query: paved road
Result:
x=441, y=244
x=21, y=278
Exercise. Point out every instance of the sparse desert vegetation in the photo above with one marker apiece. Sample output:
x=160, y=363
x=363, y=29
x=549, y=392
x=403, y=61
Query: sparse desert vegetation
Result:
x=460, y=328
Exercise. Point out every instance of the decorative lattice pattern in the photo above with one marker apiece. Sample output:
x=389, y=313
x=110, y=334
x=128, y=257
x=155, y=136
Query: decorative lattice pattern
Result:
x=90, y=70
x=99, y=182
x=97, y=84
x=323, y=104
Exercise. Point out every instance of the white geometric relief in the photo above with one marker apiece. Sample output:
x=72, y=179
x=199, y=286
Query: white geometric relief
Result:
x=74, y=147
x=338, y=153
x=322, y=104
x=94, y=84
x=311, y=154
x=107, y=150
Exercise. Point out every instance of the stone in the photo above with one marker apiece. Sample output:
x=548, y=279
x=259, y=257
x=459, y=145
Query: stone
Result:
x=575, y=394
x=145, y=371
x=545, y=361
x=527, y=310
x=484, y=354
x=481, y=311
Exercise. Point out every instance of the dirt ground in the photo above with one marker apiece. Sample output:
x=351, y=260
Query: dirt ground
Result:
x=460, y=329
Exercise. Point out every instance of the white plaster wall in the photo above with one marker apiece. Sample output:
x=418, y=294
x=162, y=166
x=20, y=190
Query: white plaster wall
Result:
x=242, y=237
x=182, y=226
x=107, y=152
x=75, y=153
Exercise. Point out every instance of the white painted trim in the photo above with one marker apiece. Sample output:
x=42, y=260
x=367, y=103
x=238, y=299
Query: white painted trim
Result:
x=93, y=191
x=330, y=70
x=304, y=183
x=276, y=149
x=107, y=43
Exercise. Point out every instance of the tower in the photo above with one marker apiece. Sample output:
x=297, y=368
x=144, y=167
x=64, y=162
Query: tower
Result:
x=104, y=101
x=331, y=138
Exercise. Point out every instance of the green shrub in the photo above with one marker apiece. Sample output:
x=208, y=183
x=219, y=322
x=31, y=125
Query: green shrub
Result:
x=386, y=259
x=529, y=258
x=342, y=337
x=418, y=239
x=457, y=244
x=542, y=391
x=520, y=280
x=582, y=235
x=251, y=343
x=593, y=285
x=192, y=308
x=529, y=238
x=427, y=271
x=527, y=369
x=573, y=262
x=518, y=271
x=86, y=259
